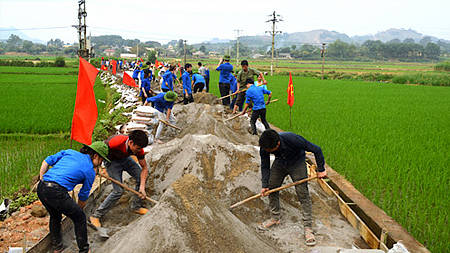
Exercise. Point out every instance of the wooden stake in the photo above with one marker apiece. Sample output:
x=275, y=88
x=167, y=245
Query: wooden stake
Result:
x=167, y=123
x=235, y=116
x=24, y=244
x=126, y=187
x=273, y=190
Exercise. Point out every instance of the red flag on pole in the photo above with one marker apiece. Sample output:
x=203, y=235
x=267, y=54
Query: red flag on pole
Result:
x=128, y=80
x=114, y=65
x=85, y=112
x=290, y=91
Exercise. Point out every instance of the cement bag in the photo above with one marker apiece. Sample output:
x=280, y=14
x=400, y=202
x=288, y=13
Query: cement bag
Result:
x=146, y=111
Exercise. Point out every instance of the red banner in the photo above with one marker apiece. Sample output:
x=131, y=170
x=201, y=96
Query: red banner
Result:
x=128, y=80
x=290, y=91
x=114, y=66
x=85, y=112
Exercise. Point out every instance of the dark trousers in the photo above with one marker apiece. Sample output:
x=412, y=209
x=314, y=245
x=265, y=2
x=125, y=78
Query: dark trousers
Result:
x=261, y=113
x=207, y=83
x=187, y=99
x=57, y=202
x=149, y=95
x=198, y=87
x=115, y=170
x=278, y=172
x=224, y=89
x=233, y=102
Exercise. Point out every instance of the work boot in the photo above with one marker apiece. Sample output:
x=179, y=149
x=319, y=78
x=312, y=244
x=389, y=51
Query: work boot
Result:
x=141, y=210
x=95, y=221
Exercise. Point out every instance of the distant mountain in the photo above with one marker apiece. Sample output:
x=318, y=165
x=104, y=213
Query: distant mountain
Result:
x=317, y=37
x=5, y=33
x=391, y=34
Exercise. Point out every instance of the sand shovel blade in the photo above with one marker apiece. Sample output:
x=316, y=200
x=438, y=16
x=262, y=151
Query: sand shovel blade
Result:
x=102, y=232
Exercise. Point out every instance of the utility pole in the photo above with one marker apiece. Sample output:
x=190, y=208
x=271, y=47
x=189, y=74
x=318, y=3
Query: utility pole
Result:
x=184, y=41
x=237, y=46
x=137, y=52
x=81, y=27
x=322, y=53
x=274, y=20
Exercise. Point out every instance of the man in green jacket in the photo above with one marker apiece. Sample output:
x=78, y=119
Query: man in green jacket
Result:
x=242, y=76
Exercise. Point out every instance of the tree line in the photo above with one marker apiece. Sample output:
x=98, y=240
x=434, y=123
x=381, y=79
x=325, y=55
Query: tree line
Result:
x=406, y=50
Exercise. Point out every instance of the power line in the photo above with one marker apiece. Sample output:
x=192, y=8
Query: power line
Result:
x=36, y=28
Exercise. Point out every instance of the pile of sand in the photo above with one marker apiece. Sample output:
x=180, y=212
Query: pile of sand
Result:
x=196, y=175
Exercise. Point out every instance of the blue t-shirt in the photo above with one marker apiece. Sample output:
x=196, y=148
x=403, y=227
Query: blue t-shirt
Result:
x=256, y=95
x=197, y=78
x=225, y=71
x=168, y=80
x=136, y=73
x=207, y=73
x=160, y=103
x=146, y=85
x=70, y=168
x=187, y=83
x=233, y=83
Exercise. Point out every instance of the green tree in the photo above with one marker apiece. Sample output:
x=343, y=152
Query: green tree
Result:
x=152, y=56
x=432, y=51
x=14, y=43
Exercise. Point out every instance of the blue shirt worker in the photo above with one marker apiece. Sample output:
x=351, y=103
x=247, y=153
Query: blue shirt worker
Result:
x=289, y=150
x=136, y=72
x=163, y=103
x=225, y=69
x=199, y=82
x=206, y=78
x=146, y=91
x=233, y=89
x=168, y=79
x=187, y=84
x=70, y=168
x=256, y=95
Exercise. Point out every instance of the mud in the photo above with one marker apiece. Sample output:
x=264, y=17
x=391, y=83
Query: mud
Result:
x=196, y=175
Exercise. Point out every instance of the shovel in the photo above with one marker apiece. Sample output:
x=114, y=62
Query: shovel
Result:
x=273, y=190
x=102, y=232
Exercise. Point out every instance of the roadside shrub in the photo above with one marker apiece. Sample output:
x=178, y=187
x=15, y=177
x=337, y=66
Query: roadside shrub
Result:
x=442, y=66
x=44, y=64
x=60, y=61
x=423, y=79
x=96, y=62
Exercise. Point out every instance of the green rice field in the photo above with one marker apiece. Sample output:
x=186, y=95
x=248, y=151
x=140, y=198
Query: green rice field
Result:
x=391, y=141
x=36, y=115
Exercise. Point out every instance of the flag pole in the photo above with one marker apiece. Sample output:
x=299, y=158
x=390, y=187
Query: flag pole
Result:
x=290, y=117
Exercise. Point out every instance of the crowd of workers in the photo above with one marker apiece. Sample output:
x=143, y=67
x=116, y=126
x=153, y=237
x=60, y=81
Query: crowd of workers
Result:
x=238, y=92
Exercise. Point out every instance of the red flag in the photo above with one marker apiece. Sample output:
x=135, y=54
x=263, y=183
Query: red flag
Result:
x=114, y=65
x=104, y=67
x=85, y=112
x=290, y=91
x=128, y=80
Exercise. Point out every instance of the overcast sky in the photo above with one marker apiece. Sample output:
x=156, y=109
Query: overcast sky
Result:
x=203, y=20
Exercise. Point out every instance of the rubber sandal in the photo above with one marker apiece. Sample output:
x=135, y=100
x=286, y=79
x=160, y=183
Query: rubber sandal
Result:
x=59, y=250
x=310, y=239
x=267, y=224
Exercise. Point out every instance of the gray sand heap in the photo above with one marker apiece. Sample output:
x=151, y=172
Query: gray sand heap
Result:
x=196, y=175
